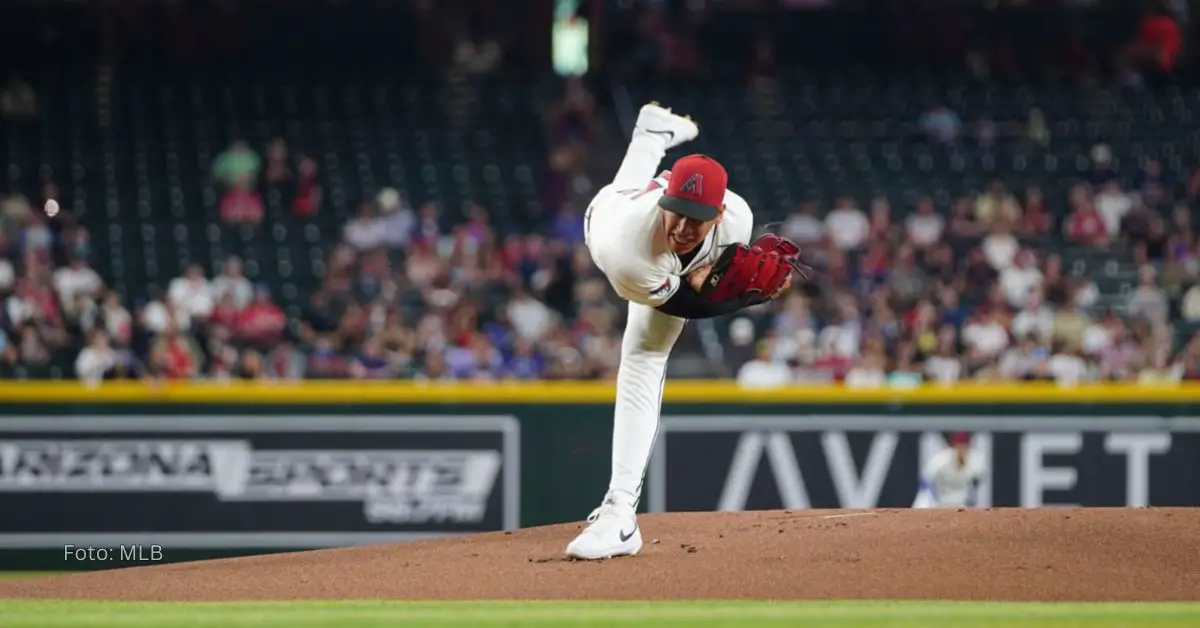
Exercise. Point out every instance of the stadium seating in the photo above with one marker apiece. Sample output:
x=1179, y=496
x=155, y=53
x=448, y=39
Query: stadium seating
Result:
x=133, y=146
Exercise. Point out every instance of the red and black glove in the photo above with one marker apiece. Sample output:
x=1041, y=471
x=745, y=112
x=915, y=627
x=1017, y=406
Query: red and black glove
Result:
x=753, y=273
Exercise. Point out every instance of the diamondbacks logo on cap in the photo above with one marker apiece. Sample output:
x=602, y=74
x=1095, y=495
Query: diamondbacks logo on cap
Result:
x=693, y=185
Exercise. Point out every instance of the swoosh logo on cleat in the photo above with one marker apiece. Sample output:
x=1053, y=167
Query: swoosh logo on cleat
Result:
x=626, y=537
x=670, y=134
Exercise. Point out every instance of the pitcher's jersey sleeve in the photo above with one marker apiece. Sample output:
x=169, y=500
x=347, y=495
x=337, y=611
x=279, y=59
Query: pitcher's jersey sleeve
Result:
x=646, y=287
x=623, y=247
x=737, y=226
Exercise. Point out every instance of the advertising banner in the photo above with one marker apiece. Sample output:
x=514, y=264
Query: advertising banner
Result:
x=727, y=463
x=229, y=481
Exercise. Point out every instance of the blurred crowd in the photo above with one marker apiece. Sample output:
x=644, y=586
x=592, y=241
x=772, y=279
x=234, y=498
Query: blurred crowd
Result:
x=972, y=291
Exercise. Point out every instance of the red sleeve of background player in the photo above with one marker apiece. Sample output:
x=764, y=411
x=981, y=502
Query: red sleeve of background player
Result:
x=654, y=184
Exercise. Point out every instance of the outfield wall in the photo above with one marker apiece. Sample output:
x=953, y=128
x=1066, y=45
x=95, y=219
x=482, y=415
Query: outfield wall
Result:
x=242, y=468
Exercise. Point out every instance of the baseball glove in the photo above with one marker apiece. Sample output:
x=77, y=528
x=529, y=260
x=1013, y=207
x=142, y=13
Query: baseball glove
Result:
x=753, y=273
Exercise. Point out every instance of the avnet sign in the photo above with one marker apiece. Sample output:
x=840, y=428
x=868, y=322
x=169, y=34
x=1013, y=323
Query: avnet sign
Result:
x=759, y=463
x=255, y=481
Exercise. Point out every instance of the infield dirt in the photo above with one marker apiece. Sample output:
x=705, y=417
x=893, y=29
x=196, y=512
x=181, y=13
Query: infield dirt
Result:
x=1001, y=554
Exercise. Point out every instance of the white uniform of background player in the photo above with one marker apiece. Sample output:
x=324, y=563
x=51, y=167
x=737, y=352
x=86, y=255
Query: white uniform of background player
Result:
x=952, y=476
x=634, y=242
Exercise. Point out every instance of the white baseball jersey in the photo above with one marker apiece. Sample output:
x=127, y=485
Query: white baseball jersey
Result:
x=947, y=484
x=622, y=232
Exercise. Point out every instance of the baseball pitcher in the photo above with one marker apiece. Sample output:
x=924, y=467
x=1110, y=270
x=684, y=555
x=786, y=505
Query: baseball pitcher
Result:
x=951, y=477
x=676, y=246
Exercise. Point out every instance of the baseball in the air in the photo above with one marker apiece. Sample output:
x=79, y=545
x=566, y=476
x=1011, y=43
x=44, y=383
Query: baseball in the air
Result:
x=51, y=207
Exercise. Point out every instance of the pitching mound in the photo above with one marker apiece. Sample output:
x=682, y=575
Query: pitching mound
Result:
x=1092, y=554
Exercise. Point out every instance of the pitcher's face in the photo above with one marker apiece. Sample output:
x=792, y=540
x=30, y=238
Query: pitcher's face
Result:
x=685, y=234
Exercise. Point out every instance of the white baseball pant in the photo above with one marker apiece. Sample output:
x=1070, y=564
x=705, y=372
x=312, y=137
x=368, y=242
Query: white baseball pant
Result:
x=646, y=345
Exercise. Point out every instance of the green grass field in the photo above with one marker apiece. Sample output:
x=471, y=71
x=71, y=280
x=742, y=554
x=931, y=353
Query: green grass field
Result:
x=42, y=613
x=594, y=614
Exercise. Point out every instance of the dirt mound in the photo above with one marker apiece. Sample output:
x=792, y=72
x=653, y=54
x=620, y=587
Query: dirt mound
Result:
x=1092, y=554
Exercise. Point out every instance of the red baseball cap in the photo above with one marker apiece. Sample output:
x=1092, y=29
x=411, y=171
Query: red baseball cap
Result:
x=960, y=438
x=696, y=188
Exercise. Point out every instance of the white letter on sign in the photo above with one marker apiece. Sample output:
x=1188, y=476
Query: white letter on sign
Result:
x=853, y=493
x=1035, y=478
x=1137, y=449
x=746, y=458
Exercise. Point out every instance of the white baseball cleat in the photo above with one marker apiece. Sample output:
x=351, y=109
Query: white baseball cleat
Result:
x=612, y=531
x=658, y=120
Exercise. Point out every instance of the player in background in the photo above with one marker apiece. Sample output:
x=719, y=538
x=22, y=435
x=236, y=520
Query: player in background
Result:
x=952, y=476
x=676, y=247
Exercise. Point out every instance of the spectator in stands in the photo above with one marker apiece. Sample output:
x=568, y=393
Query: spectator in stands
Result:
x=239, y=162
x=764, y=371
x=906, y=279
x=249, y=366
x=32, y=349
x=286, y=361
x=847, y=225
x=1100, y=169
x=190, y=297
x=985, y=338
x=996, y=205
x=262, y=322
x=1148, y=301
x=1000, y=246
x=924, y=227
x=324, y=362
x=1161, y=370
x=868, y=372
x=963, y=231
x=18, y=102
x=364, y=231
x=944, y=366
x=278, y=170
x=1021, y=278
x=804, y=225
x=1067, y=367
x=1189, y=307
x=879, y=224
x=1070, y=322
x=8, y=272
x=242, y=205
x=1119, y=357
x=233, y=282
x=906, y=373
x=1152, y=185
x=1189, y=358
x=1036, y=218
x=477, y=52
x=370, y=362
x=116, y=320
x=96, y=359
x=309, y=193
x=396, y=219
x=175, y=356
x=74, y=281
x=1100, y=334
x=1024, y=360
x=1085, y=225
x=741, y=346
x=940, y=124
x=1154, y=50
x=1037, y=131
x=36, y=237
x=1035, y=319
x=1113, y=204
x=568, y=225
